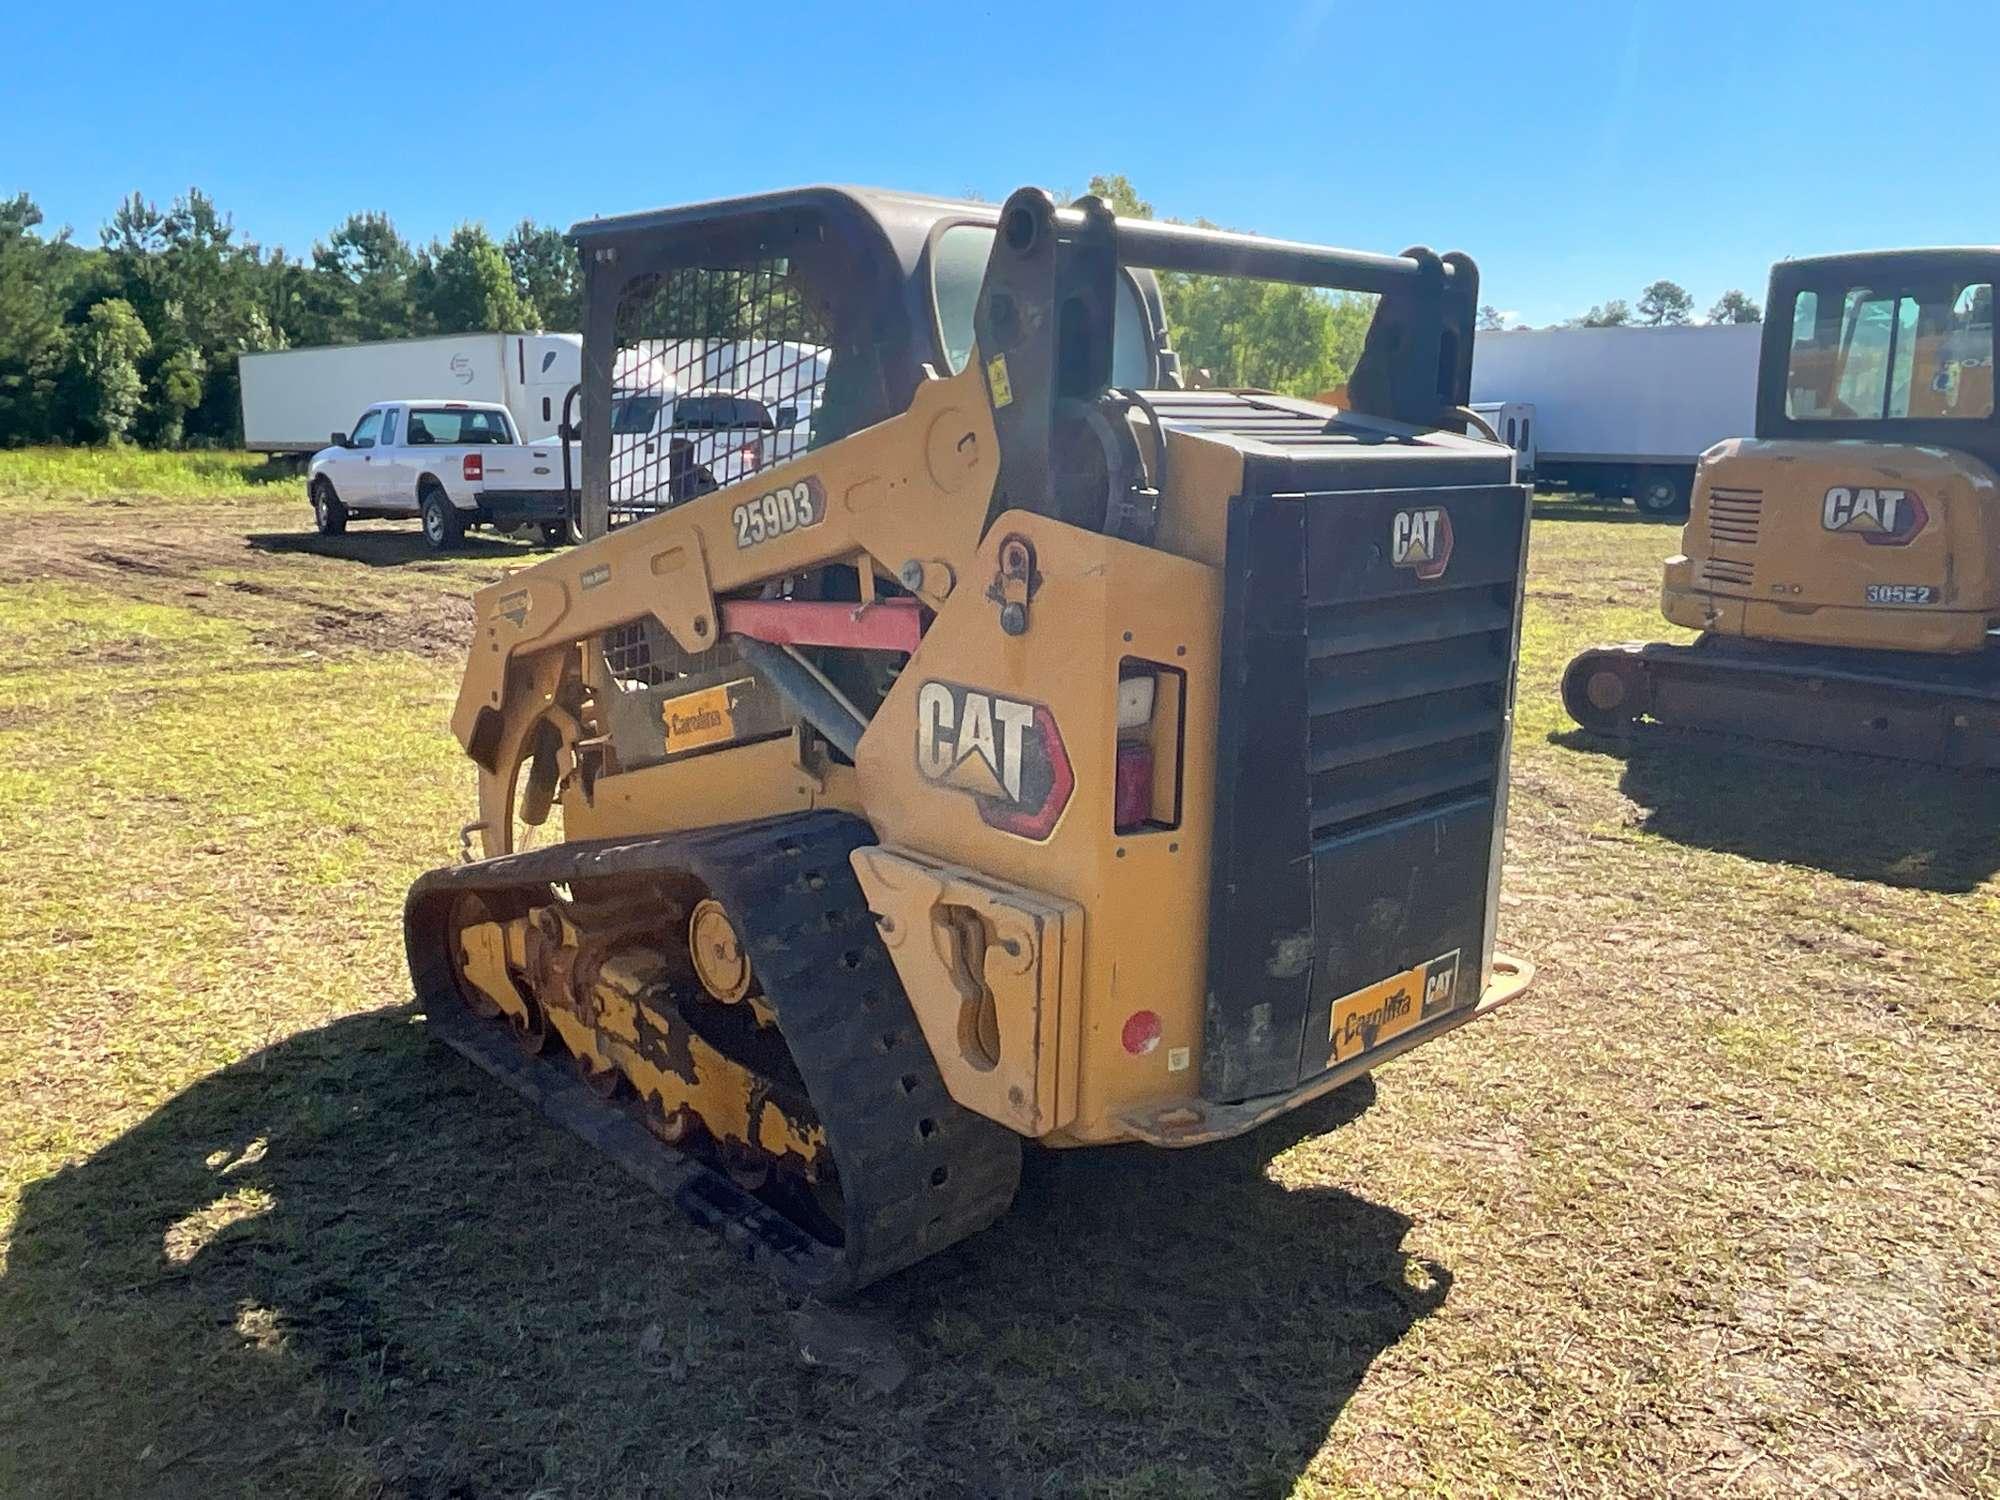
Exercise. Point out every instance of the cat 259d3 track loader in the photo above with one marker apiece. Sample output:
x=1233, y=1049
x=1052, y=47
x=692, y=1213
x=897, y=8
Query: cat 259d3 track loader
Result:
x=1026, y=748
x=1844, y=566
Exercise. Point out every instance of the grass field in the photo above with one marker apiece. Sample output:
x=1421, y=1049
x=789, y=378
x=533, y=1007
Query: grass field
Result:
x=31, y=478
x=1713, y=1210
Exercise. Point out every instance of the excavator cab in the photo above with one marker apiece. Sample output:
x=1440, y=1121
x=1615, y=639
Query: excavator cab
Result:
x=1843, y=566
x=1010, y=744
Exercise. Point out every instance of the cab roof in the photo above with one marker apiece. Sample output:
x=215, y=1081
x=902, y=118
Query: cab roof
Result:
x=1942, y=258
x=901, y=221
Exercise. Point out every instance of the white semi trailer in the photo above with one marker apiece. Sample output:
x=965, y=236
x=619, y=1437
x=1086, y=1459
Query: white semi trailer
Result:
x=294, y=399
x=1624, y=411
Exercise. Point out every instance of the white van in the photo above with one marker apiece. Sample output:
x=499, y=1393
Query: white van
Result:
x=1513, y=422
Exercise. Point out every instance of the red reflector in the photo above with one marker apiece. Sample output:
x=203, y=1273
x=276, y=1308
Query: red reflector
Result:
x=1134, y=794
x=1142, y=1032
x=475, y=466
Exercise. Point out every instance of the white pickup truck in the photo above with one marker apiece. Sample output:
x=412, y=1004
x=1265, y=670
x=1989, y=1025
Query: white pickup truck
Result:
x=451, y=464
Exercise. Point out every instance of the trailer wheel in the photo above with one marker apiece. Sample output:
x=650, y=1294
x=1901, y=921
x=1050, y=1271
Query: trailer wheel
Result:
x=329, y=515
x=1660, y=492
x=444, y=528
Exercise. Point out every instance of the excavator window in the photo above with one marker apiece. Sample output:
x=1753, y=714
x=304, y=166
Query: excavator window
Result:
x=1867, y=353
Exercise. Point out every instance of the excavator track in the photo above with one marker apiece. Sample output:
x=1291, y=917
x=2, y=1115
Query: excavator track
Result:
x=914, y=1171
x=1943, y=713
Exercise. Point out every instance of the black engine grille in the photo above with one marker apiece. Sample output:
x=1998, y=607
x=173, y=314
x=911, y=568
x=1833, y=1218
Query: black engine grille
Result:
x=1406, y=699
x=1361, y=747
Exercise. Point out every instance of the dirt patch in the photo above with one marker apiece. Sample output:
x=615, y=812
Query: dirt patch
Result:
x=373, y=590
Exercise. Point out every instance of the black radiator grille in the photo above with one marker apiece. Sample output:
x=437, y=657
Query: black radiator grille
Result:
x=1406, y=696
x=1362, y=743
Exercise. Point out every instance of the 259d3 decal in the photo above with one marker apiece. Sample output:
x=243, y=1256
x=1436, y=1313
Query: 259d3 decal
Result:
x=1004, y=753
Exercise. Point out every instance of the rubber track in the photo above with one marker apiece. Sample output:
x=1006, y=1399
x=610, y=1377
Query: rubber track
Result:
x=1791, y=738
x=917, y=1171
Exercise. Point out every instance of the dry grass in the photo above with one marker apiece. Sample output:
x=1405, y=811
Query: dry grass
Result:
x=1711, y=1211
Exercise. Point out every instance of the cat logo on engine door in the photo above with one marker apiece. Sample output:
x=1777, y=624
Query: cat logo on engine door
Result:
x=1420, y=540
x=1007, y=755
x=1884, y=518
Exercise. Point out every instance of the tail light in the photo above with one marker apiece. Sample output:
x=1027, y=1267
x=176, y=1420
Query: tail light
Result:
x=1146, y=793
x=1133, y=801
x=752, y=453
x=474, y=466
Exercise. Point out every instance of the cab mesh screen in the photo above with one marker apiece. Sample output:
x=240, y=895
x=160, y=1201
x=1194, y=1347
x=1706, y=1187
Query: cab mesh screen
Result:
x=718, y=374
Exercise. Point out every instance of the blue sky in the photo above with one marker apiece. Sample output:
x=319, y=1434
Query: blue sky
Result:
x=1577, y=151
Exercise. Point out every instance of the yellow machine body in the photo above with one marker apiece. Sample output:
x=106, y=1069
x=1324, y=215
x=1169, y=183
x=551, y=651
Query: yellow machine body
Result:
x=1057, y=754
x=918, y=486
x=1878, y=546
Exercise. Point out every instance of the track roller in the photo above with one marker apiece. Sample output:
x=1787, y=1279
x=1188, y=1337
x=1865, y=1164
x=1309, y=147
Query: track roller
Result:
x=737, y=1037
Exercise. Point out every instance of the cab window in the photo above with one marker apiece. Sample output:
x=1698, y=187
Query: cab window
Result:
x=1866, y=353
x=720, y=413
x=632, y=416
x=366, y=430
x=958, y=267
x=457, y=424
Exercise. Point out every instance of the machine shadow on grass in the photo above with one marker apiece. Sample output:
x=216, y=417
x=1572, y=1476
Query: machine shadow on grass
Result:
x=1865, y=819
x=352, y=1263
x=393, y=546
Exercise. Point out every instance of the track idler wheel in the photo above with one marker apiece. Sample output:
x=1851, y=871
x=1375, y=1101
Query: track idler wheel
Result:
x=719, y=961
x=1606, y=689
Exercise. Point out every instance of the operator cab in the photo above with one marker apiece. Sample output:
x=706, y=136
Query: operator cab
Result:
x=1888, y=347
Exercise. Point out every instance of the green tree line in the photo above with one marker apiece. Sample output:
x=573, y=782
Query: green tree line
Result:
x=136, y=338
x=1264, y=334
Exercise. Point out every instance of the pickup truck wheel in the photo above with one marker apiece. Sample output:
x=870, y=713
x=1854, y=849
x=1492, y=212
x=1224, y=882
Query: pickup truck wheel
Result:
x=554, y=533
x=329, y=515
x=444, y=528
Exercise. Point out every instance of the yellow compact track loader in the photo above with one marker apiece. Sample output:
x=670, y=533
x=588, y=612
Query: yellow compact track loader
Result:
x=1844, y=566
x=951, y=732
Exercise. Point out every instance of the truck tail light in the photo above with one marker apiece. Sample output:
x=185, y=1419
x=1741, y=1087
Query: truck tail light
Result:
x=474, y=467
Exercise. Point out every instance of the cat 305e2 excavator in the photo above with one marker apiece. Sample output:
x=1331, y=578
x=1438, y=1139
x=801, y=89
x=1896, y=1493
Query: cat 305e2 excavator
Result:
x=1025, y=748
x=1844, y=566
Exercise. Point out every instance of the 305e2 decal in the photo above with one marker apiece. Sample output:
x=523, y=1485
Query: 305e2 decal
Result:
x=1004, y=753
